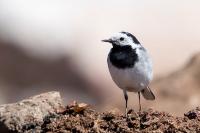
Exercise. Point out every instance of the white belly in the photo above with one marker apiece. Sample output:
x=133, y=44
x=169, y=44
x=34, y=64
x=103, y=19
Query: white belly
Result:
x=132, y=79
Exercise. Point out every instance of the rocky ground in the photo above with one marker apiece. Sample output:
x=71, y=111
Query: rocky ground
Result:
x=48, y=115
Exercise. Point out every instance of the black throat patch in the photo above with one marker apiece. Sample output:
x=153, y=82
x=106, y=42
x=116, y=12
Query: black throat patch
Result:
x=123, y=56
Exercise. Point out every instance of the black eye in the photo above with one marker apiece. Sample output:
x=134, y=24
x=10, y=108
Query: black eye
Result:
x=121, y=39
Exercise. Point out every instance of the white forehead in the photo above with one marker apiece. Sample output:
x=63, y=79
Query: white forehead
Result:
x=118, y=35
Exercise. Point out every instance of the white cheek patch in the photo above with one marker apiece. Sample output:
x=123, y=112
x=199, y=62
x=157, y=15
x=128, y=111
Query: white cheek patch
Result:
x=126, y=42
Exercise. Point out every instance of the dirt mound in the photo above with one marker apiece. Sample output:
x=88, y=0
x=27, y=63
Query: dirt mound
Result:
x=77, y=118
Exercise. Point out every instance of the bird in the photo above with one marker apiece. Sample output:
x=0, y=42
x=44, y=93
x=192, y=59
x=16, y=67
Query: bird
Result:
x=130, y=66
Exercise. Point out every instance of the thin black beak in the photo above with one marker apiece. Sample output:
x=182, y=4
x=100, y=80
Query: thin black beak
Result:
x=107, y=40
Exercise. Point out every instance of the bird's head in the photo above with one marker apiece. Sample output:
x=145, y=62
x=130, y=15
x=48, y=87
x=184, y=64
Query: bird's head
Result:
x=123, y=39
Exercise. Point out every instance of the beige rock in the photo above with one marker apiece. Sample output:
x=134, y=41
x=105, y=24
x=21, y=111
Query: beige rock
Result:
x=16, y=116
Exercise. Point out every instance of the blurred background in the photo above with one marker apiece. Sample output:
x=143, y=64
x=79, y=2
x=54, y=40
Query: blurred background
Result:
x=56, y=46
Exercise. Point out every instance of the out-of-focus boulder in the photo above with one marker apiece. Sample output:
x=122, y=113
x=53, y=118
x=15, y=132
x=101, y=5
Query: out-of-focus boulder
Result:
x=29, y=75
x=179, y=90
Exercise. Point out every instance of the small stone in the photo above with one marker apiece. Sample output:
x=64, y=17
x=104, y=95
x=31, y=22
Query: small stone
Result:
x=191, y=115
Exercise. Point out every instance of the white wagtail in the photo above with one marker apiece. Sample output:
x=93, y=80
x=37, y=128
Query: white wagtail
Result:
x=130, y=66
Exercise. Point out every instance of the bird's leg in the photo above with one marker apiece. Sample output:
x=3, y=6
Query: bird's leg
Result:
x=139, y=102
x=126, y=99
x=139, y=109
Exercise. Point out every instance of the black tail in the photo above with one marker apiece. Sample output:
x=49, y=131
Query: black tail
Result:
x=148, y=94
